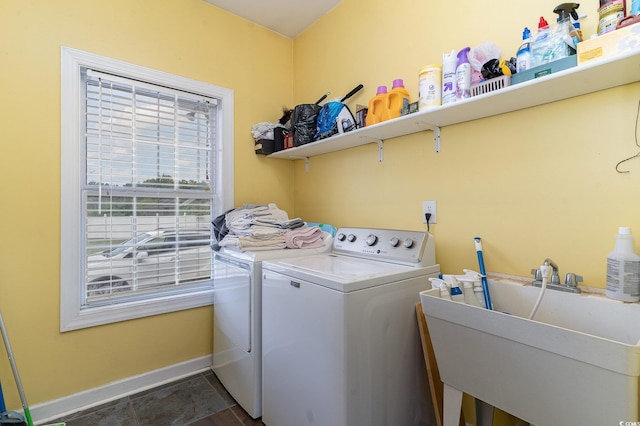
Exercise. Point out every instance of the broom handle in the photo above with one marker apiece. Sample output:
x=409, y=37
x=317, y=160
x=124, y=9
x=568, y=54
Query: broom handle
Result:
x=352, y=92
x=7, y=346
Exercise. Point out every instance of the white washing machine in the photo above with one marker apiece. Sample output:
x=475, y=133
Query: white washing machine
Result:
x=341, y=345
x=237, y=329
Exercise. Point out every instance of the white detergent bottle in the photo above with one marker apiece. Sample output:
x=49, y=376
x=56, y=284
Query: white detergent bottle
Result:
x=623, y=269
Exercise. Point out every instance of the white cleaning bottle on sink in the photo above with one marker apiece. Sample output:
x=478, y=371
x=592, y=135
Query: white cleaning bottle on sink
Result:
x=469, y=296
x=443, y=286
x=477, y=285
x=623, y=269
x=456, y=292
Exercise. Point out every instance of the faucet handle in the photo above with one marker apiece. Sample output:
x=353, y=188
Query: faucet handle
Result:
x=572, y=280
x=537, y=274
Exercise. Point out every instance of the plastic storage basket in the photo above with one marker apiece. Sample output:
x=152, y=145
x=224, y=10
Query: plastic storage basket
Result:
x=491, y=85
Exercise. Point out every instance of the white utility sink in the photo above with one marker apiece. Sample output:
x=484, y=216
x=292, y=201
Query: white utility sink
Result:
x=576, y=363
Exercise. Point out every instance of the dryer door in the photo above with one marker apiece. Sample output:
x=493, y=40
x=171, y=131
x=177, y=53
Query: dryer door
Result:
x=231, y=305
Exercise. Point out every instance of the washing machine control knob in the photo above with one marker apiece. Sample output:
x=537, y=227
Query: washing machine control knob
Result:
x=394, y=242
x=408, y=243
x=341, y=237
x=371, y=240
x=351, y=238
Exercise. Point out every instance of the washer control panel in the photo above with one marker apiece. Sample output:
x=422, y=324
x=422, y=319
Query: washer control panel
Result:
x=391, y=245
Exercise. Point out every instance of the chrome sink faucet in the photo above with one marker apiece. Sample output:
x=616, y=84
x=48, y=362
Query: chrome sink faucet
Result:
x=570, y=282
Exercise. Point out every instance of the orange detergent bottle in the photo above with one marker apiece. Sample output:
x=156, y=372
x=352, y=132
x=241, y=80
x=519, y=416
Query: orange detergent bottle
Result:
x=378, y=110
x=397, y=98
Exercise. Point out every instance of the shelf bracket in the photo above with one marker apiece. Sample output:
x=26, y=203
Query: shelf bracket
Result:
x=436, y=134
x=380, y=143
x=306, y=164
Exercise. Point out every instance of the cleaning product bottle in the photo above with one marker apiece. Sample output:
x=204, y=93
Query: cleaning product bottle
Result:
x=397, y=98
x=623, y=269
x=523, y=57
x=456, y=292
x=469, y=296
x=540, y=47
x=378, y=111
x=610, y=13
x=463, y=75
x=478, y=291
x=576, y=34
x=449, y=63
x=564, y=43
x=443, y=286
x=430, y=86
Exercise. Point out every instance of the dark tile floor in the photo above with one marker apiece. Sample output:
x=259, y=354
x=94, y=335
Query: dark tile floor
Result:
x=198, y=400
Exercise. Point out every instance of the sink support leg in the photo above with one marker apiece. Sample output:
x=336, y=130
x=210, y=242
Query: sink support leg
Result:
x=484, y=413
x=452, y=403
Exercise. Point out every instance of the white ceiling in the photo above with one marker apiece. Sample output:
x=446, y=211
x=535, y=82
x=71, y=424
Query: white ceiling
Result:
x=287, y=17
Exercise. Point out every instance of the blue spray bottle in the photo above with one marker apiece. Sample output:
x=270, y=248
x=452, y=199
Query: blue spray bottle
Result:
x=523, y=57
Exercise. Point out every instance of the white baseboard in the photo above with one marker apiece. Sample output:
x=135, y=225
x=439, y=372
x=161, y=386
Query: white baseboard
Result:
x=50, y=410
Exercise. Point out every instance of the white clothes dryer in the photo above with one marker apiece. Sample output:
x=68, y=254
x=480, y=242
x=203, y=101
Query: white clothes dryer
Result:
x=237, y=316
x=340, y=340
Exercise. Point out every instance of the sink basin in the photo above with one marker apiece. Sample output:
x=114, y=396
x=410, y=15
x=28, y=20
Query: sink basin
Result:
x=576, y=363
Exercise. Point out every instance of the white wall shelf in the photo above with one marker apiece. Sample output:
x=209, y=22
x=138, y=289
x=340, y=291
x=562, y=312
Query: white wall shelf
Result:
x=586, y=78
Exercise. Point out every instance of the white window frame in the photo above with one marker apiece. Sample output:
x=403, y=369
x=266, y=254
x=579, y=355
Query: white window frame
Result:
x=72, y=315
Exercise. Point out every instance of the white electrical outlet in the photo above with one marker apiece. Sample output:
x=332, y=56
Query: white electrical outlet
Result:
x=429, y=207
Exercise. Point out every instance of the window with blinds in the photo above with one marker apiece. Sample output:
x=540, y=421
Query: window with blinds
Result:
x=147, y=188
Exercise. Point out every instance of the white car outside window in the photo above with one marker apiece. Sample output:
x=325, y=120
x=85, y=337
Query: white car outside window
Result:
x=161, y=257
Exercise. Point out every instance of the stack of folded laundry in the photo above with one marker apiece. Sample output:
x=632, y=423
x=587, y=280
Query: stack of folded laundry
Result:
x=265, y=227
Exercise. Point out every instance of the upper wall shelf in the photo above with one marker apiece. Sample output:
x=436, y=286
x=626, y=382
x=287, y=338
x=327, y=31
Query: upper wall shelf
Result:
x=580, y=80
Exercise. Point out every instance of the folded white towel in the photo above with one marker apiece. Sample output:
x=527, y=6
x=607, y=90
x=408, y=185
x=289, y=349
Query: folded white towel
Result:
x=307, y=237
x=259, y=221
x=246, y=215
x=258, y=232
x=248, y=243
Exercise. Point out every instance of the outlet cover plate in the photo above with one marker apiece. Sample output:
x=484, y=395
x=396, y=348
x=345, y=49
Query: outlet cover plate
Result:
x=429, y=207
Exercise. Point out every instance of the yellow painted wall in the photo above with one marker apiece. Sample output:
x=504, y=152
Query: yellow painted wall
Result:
x=189, y=38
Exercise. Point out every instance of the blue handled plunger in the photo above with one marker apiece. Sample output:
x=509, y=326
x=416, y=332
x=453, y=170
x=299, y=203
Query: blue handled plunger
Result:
x=483, y=273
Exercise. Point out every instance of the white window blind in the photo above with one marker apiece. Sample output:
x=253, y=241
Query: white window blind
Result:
x=148, y=189
x=146, y=163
